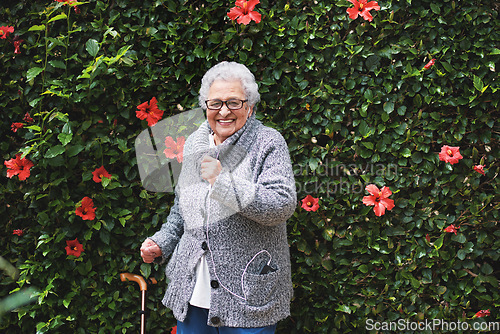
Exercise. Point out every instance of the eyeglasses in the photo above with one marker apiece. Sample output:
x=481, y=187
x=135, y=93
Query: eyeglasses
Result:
x=232, y=104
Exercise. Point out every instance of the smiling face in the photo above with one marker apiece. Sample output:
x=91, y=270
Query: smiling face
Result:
x=225, y=122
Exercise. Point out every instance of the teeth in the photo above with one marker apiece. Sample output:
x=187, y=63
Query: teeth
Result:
x=221, y=121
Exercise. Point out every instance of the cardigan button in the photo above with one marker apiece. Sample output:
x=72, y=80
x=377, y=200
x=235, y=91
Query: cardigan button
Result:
x=214, y=284
x=204, y=246
x=215, y=320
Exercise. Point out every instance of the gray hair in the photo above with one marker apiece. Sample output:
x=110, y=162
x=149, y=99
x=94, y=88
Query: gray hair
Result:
x=230, y=71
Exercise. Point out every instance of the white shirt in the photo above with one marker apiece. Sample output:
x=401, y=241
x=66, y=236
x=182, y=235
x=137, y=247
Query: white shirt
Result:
x=201, y=291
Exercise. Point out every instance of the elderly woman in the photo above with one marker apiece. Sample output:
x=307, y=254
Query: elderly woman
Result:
x=229, y=266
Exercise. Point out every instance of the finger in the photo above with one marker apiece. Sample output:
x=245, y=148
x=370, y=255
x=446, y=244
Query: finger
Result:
x=155, y=250
x=146, y=243
x=147, y=258
x=207, y=158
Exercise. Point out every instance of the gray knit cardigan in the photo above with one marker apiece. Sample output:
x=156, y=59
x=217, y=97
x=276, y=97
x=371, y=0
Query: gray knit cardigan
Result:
x=239, y=224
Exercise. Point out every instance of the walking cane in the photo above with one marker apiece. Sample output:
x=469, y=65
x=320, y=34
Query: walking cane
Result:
x=144, y=287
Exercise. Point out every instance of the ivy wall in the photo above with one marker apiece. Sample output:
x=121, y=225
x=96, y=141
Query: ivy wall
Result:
x=367, y=100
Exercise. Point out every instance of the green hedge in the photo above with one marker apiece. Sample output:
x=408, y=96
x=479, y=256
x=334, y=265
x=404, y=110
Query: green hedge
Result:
x=351, y=97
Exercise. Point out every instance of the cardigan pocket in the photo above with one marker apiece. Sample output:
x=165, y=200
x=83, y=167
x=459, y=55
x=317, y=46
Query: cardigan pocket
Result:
x=261, y=289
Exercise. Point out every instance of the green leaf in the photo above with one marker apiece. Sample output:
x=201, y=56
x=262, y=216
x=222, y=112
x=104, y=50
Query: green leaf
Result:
x=363, y=268
x=439, y=242
x=74, y=150
x=54, y=151
x=364, y=129
x=65, y=138
x=58, y=64
x=389, y=107
x=406, y=152
x=37, y=27
x=105, y=181
x=92, y=47
x=478, y=83
x=441, y=289
x=435, y=8
x=34, y=127
x=58, y=17
x=33, y=73
x=146, y=270
x=344, y=308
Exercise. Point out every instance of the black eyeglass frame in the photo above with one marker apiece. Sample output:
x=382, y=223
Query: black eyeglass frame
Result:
x=225, y=102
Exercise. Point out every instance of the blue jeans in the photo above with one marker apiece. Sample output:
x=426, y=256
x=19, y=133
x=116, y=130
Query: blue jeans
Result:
x=196, y=323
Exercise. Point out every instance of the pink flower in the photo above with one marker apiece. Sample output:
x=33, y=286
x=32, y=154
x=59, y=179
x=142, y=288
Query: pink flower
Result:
x=452, y=229
x=450, y=154
x=479, y=169
x=310, y=203
x=244, y=12
x=174, y=149
x=378, y=198
x=362, y=8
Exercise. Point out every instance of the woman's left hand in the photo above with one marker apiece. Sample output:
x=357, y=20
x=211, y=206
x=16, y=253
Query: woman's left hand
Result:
x=210, y=169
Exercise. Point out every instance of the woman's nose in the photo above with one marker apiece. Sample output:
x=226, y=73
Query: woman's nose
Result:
x=224, y=111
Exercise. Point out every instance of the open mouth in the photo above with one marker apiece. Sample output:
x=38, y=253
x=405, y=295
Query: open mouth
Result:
x=225, y=121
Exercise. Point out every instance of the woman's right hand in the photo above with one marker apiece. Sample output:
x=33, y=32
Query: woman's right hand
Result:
x=149, y=251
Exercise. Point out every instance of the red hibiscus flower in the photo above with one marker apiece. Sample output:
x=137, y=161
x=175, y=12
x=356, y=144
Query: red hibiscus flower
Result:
x=479, y=169
x=71, y=3
x=452, y=229
x=149, y=111
x=244, y=12
x=17, y=44
x=429, y=64
x=74, y=247
x=362, y=8
x=18, y=232
x=310, y=203
x=99, y=173
x=482, y=313
x=6, y=31
x=18, y=166
x=86, y=210
x=174, y=149
x=378, y=198
x=450, y=154
x=16, y=126
x=27, y=118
